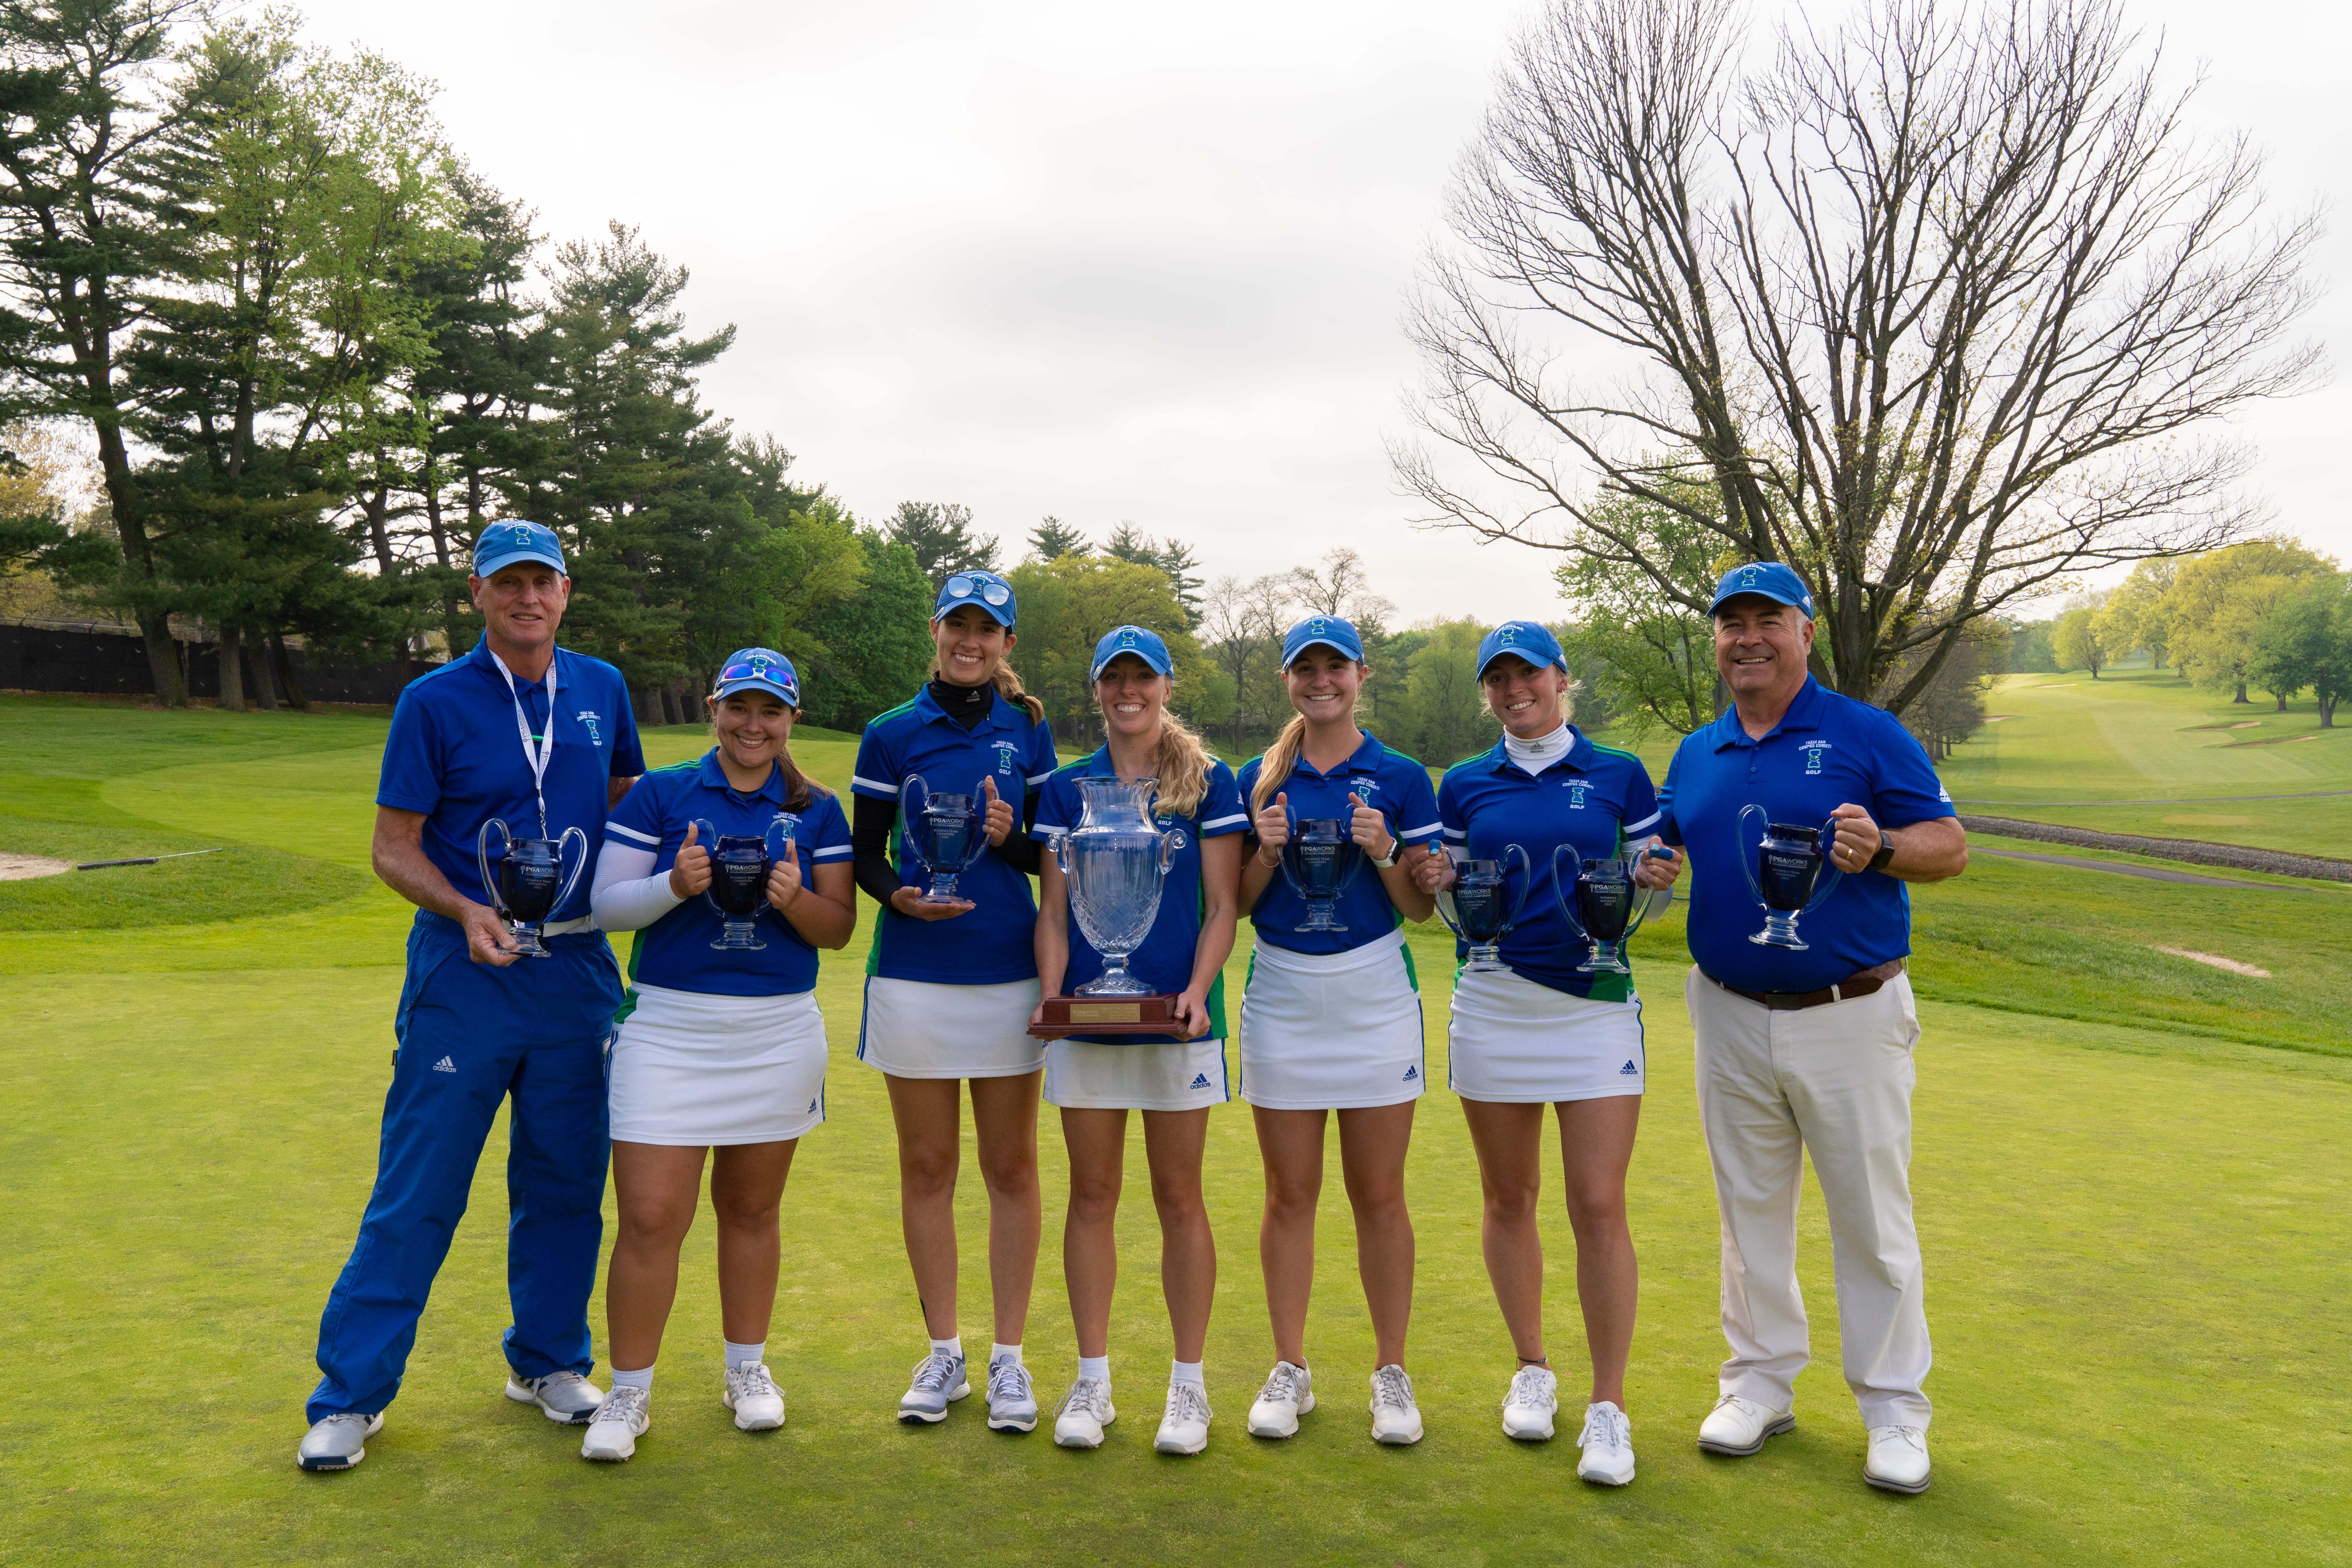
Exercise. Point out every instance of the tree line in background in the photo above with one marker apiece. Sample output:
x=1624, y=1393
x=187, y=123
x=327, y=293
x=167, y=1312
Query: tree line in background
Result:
x=2268, y=614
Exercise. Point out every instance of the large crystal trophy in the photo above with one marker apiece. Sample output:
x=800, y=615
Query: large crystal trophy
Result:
x=1790, y=875
x=526, y=883
x=1321, y=861
x=948, y=833
x=1114, y=863
x=740, y=863
x=1604, y=903
x=1480, y=909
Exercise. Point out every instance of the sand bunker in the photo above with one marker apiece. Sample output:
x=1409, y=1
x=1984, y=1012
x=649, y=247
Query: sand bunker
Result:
x=24, y=867
x=2218, y=962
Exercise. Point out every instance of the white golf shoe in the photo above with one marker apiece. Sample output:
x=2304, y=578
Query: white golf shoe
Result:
x=1288, y=1393
x=1011, y=1401
x=337, y=1442
x=1396, y=1419
x=619, y=1421
x=938, y=1381
x=563, y=1396
x=752, y=1395
x=1736, y=1428
x=1085, y=1411
x=1608, y=1444
x=1533, y=1401
x=1184, y=1429
x=1898, y=1459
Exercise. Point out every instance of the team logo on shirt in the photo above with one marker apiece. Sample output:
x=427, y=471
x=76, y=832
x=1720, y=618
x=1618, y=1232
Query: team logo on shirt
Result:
x=1577, y=790
x=1813, y=749
x=1004, y=751
x=589, y=717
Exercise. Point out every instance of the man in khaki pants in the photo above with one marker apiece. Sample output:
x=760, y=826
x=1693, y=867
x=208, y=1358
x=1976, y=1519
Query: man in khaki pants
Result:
x=1805, y=1040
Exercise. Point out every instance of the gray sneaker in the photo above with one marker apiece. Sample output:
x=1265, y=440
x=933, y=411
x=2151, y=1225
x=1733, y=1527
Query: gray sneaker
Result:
x=620, y=1422
x=563, y=1396
x=337, y=1442
x=938, y=1381
x=1011, y=1403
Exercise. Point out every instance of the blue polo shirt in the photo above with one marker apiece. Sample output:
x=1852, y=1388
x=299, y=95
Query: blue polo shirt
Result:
x=1164, y=962
x=455, y=755
x=1390, y=783
x=1826, y=752
x=993, y=944
x=674, y=951
x=1595, y=797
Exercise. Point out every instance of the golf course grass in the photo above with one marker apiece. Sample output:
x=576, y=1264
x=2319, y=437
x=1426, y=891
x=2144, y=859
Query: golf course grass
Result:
x=2131, y=1177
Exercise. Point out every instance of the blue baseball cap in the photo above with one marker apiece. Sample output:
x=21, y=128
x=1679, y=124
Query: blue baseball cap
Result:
x=1529, y=640
x=1766, y=580
x=986, y=589
x=1329, y=631
x=758, y=670
x=1141, y=641
x=505, y=543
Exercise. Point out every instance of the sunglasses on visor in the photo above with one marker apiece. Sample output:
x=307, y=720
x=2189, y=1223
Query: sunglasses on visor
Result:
x=964, y=586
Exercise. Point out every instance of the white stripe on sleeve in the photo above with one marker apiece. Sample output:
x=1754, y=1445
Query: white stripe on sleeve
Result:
x=633, y=833
x=1224, y=821
x=1646, y=823
x=1412, y=833
x=1459, y=834
x=834, y=853
x=1041, y=778
x=873, y=787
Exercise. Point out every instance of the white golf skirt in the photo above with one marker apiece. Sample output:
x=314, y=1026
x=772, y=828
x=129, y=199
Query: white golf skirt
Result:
x=697, y=1070
x=1517, y=1043
x=1186, y=1076
x=916, y=1028
x=1331, y=1031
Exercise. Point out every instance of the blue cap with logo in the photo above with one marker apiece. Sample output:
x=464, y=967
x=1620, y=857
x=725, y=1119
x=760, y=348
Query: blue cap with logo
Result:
x=758, y=670
x=986, y=589
x=1529, y=640
x=508, y=543
x=1768, y=579
x=1328, y=631
x=1141, y=641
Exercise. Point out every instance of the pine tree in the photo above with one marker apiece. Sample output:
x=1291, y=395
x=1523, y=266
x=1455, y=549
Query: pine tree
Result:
x=940, y=535
x=1052, y=538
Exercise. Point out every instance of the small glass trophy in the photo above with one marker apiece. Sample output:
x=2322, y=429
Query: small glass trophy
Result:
x=526, y=883
x=1604, y=903
x=1321, y=861
x=740, y=863
x=948, y=833
x=1480, y=909
x=1790, y=875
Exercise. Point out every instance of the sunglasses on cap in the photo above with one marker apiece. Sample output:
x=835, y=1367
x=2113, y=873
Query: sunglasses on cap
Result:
x=965, y=584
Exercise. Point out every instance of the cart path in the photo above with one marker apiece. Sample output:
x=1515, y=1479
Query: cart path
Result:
x=2154, y=873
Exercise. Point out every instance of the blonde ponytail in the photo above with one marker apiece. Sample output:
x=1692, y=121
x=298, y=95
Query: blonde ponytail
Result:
x=1274, y=769
x=1008, y=685
x=1181, y=764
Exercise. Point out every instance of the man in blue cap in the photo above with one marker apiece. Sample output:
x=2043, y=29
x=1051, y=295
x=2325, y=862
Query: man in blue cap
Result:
x=543, y=740
x=1808, y=1050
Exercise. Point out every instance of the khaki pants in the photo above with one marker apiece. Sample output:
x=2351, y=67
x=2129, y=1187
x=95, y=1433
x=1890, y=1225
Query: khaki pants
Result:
x=1835, y=1081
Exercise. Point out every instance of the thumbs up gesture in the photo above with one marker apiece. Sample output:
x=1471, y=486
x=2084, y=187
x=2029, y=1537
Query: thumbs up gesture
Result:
x=1369, y=829
x=999, y=821
x=1273, y=828
x=691, y=873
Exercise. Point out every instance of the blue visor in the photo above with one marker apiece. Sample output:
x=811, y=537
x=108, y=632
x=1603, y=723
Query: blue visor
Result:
x=1529, y=640
x=1766, y=580
x=759, y=669
x=1326, y=631
x=986, y=589
x=1144, y=644
x=507, y=543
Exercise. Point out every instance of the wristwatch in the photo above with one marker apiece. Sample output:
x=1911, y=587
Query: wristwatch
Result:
x=1885, y=853
x=1396, y=847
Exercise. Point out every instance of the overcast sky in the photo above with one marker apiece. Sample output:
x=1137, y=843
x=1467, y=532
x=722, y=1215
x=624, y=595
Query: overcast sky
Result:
x=1133, y=263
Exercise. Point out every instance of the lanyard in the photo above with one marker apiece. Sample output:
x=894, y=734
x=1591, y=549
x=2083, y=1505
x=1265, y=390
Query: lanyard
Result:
x=536, y=756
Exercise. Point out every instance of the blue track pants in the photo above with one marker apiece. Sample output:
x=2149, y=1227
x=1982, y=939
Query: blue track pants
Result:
x=471, y=1036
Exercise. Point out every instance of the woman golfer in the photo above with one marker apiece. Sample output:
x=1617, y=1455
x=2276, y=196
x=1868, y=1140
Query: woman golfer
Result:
x=1543, y=1033
x=718, y=1049
x=1331, y=1019
x=1171, y=1078
x=951, y=985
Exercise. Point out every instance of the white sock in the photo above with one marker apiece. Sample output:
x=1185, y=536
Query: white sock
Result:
x=1095, y=1366
x=644, y=1379
x=1185, y=1371
x=1003, y=1352
x=953, y=1347
x=744, y=1355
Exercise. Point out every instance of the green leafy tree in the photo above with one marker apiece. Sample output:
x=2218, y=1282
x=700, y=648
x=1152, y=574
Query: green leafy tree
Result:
x=1070, y=604
x=1651, y=655
x=2134, y=615
x=2075, y=640
x=872, y=649
x=941, y=534
x=2307, y=641
x=1442, y=717
x=2219, y=600
x=2029, y=649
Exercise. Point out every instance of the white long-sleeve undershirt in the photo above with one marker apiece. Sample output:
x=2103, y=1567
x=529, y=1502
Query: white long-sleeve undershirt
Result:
x=1533, y=755
x=626, y=895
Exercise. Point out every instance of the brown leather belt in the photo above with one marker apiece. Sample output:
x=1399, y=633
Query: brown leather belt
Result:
x=1846, y=989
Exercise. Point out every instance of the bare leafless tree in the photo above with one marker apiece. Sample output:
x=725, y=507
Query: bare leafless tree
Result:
x=1240, y=629
x=1344, y=588
x=1940, y=301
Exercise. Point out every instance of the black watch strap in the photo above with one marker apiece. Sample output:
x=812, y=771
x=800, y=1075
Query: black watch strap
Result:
x=1885, y=853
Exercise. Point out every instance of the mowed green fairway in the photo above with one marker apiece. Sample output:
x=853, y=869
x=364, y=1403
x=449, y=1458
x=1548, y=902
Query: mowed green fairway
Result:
x=2136, y=1238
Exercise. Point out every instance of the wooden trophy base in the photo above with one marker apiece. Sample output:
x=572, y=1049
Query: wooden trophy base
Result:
x=1067, y=1015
